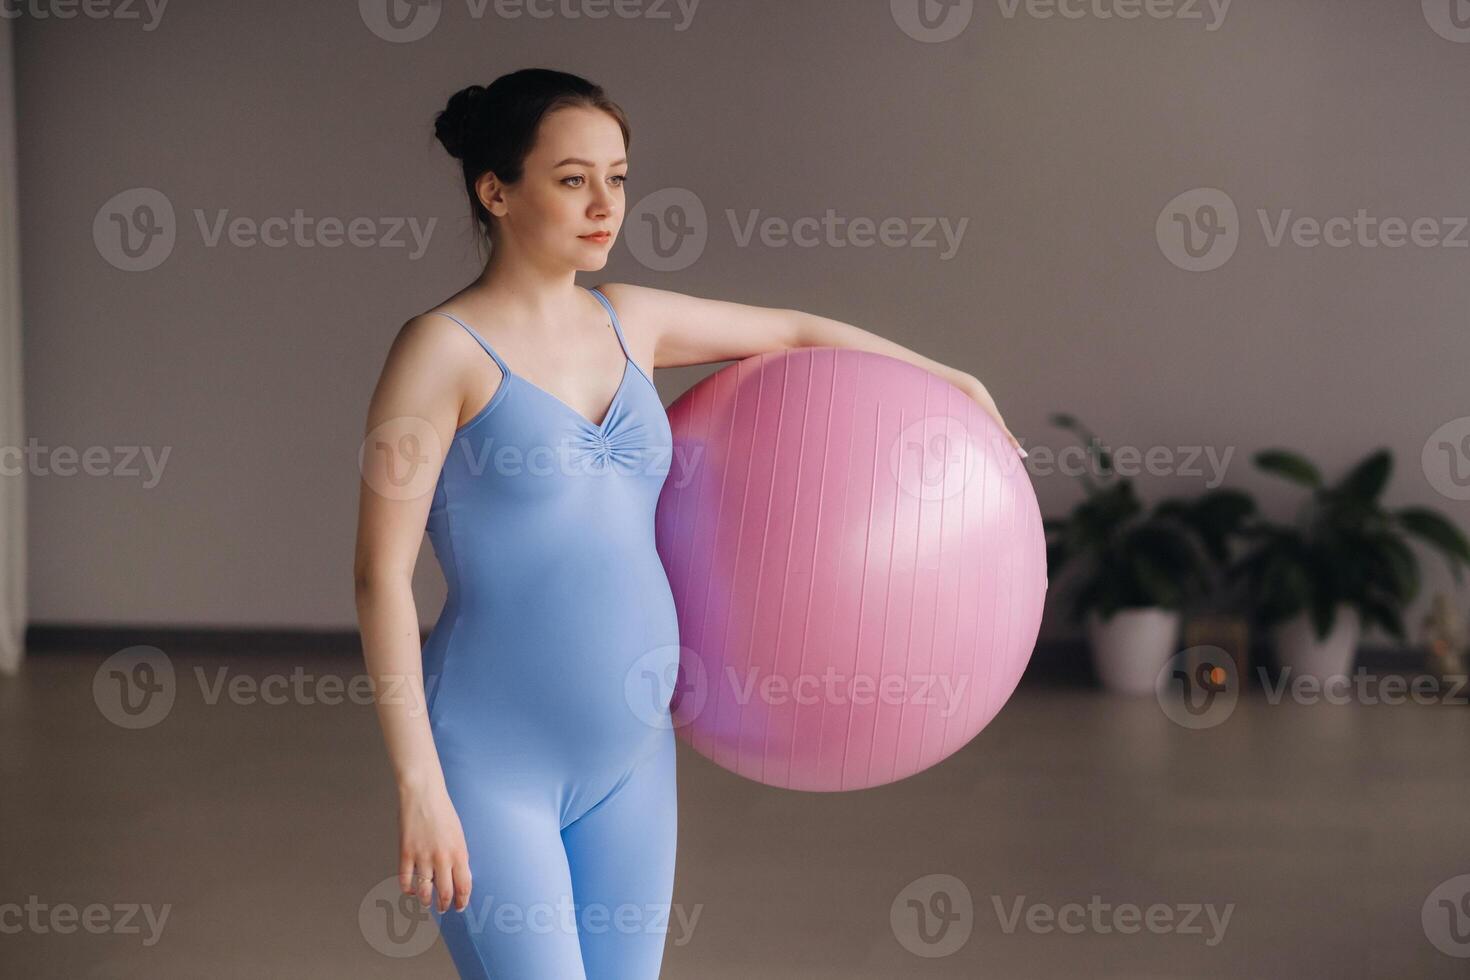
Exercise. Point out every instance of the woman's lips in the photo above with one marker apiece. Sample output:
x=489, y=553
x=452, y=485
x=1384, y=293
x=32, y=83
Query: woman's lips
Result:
x=601, y=237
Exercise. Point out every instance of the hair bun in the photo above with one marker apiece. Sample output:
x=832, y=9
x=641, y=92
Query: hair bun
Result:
x=453, y=123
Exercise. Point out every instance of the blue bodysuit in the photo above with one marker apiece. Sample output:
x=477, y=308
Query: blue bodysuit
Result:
x=548, y=677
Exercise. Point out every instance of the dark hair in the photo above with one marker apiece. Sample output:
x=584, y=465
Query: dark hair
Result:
x=493, y=128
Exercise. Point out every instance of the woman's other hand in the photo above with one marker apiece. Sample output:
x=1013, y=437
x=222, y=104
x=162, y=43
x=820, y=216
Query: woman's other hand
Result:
x=431, y=842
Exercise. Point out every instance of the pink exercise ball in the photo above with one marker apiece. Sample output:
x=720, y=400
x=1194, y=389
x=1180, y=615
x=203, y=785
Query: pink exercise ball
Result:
x=858, y=563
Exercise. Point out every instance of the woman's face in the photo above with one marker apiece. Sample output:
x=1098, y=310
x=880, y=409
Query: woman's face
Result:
x=572, y=187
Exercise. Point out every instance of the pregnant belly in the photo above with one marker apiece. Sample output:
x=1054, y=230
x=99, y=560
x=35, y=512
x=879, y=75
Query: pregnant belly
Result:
x=574, y=686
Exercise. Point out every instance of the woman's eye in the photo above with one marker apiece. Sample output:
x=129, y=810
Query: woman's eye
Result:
x=620, y=178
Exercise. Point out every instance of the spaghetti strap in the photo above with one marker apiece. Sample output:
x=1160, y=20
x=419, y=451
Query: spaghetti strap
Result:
x=618, y=328
x=478, y=339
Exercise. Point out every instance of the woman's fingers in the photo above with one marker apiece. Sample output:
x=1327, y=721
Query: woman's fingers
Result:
x=444, y=881
x=432, y=855
x=461, y=882
x=447, y=874
x=1010, y=436
x=983, y=399
x=423, y=880
x=406, y=881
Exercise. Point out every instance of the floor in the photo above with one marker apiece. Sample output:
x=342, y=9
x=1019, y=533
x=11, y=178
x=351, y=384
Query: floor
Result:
x=1291, y=840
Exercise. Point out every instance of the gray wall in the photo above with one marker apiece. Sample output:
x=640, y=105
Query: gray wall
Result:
x=1059, y=140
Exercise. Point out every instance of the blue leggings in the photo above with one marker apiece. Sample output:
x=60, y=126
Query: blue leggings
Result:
x=589, y=898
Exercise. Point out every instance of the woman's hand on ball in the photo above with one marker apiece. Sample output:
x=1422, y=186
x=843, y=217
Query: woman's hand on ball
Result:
x=977, y=390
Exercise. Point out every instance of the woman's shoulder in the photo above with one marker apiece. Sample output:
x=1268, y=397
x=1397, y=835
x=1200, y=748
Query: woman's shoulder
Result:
x=643, y=308
x=621, y=294
x=439, y=338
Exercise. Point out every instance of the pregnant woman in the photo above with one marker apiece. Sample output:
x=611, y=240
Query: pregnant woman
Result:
x=537, y=801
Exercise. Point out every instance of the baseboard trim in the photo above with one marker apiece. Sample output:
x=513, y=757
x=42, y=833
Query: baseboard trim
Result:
x=1063, y=661
x=42, y=638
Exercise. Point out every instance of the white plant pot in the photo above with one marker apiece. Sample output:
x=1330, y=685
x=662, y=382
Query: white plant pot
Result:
x=1130, y=648
x=1298, y=647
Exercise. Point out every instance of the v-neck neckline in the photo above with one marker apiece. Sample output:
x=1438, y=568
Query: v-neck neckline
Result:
x=607, y=413
x=628, y=367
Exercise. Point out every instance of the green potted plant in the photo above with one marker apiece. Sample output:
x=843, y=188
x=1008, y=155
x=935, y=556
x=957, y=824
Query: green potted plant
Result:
x=1139, y=566
x=1342, y=564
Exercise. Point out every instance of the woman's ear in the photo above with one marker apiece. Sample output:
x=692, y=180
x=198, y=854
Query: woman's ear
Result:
x=488, y=189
